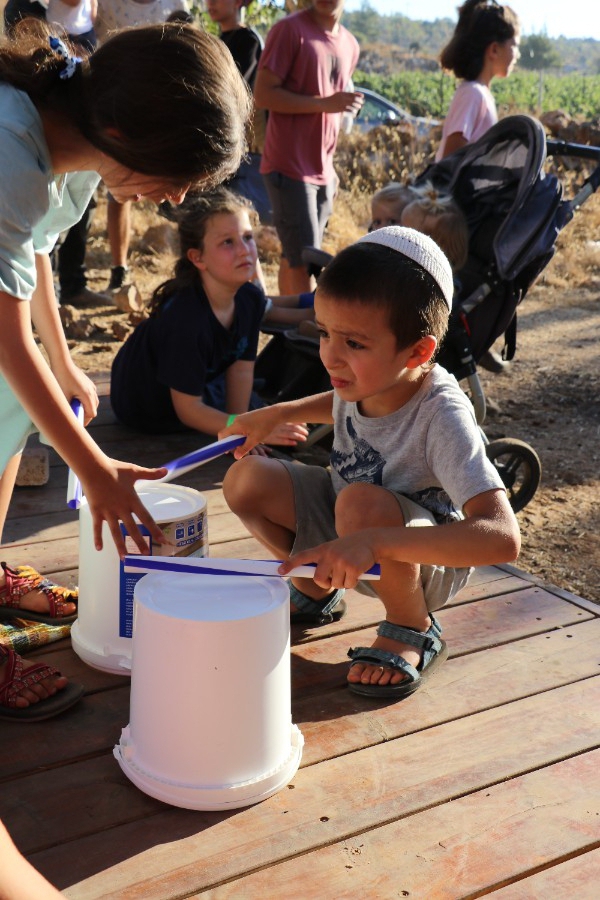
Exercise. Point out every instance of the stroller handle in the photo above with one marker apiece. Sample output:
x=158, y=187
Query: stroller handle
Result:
x=563, y=148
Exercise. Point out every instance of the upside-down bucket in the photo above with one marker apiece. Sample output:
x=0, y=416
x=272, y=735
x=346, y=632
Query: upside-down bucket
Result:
x=210, y=716
x=102, y=633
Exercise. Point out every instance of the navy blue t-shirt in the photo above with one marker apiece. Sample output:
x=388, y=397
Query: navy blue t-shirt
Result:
x=184, y=347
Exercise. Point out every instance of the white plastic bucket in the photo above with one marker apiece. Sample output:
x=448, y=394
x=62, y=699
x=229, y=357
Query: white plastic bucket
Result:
x=210, y=717
x=102, y=633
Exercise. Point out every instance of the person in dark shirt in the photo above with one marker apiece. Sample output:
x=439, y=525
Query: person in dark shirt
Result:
x=244, y=43
x=191, y=363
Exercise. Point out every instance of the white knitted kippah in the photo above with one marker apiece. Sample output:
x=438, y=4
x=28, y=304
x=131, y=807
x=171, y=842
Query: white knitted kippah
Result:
x=421, y=249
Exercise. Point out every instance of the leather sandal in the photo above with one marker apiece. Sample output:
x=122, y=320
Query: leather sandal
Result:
x=21, y=580
x=17, y=678
x=434, y=650
x=317, y=612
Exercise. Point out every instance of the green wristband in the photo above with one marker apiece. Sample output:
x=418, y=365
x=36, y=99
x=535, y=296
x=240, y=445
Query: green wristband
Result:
x=230, y=420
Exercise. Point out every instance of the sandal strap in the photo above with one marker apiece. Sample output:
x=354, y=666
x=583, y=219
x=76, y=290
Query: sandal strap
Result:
x=423, y=640
x=316, y=607
x=16, y=681
x=23, y=579
x=375, y=656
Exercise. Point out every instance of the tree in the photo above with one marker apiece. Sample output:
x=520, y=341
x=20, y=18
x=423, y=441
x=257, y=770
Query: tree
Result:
x=539, y=53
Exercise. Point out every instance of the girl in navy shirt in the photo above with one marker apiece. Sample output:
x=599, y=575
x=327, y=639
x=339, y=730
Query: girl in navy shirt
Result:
x=191, y=363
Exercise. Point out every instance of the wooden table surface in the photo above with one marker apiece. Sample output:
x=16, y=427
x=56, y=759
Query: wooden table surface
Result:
x=486, y=781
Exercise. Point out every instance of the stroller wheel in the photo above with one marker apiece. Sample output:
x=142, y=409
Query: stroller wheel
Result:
x=519, y=467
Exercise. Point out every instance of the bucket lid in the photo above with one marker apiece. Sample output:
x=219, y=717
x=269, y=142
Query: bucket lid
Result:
x=210, y=598
x=169, y=502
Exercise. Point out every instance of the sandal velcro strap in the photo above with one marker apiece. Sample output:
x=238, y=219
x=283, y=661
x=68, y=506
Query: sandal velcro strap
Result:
x=422, y=640
x=315, y=607
x=373, y=656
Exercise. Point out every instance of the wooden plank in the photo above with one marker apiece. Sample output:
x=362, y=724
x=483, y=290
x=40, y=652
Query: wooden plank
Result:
x=577, y=877
x=334, y=722
x=461, y=849
x=333, y=801
x=343, y=723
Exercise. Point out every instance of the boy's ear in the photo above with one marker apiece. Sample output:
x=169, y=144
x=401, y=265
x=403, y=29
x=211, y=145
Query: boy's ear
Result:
x=422, y=351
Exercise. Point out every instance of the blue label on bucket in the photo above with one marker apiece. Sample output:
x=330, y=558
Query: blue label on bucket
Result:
x=127, y=583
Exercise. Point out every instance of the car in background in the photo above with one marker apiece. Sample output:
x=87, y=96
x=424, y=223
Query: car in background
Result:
x=377, y=110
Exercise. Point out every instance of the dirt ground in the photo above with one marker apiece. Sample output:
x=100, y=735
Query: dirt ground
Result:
x=548, y=397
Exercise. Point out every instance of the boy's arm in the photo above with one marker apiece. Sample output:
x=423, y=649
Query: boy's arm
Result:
x=260, y=423
x=488, y=535
x=270, y=94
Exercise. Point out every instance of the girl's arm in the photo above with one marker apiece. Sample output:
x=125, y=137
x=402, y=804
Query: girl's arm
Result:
x=195, y=413
x=454, y=142
x=45, y=317
x=192, y=411
x=18, y=879
x=259, y=424
x=286, y=311
x=107, y=483
x=239, y=379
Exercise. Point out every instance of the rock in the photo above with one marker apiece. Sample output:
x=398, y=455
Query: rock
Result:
x=120, y=330
x=75, y=323
x=128, y=299
x=34, y=468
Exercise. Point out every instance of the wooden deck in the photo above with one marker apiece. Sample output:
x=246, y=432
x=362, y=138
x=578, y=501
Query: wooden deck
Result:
x=487, y=781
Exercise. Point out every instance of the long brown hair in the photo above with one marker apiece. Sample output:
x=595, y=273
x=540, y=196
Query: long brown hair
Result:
x=480, y=23
x=192, y=220
x=164, y=100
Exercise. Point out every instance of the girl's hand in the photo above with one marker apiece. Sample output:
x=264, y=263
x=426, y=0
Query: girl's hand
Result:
x=288, y=434
x=112, y=499
x=339, y=563
x=74, y=383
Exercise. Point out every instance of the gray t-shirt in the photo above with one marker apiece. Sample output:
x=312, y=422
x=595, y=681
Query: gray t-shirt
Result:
x=430, y=449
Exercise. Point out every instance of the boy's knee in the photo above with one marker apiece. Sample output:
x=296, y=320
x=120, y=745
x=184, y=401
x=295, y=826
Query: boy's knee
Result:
x=239, y=480
x=362, y=505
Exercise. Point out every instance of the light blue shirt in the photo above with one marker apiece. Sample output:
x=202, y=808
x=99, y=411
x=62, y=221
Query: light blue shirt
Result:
x=35, y=205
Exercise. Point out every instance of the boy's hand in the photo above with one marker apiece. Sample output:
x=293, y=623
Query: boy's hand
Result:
x=257, y=426
x=339, y=563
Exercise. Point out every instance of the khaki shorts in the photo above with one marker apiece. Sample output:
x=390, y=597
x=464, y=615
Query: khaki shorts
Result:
x=315, y=524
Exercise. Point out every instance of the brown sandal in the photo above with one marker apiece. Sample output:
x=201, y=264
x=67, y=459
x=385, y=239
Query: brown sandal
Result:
x=20, y=581
x=17, y=679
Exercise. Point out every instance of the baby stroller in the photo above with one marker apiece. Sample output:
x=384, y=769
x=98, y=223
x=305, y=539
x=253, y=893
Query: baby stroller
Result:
x=514, y=211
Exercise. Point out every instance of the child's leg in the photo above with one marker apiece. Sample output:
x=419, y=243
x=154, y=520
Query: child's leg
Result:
x=32, y=600
x=361, y=506
x=7, y=485
x=260, y=491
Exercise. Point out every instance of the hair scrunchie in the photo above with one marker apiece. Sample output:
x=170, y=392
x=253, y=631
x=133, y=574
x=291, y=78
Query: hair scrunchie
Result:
x=71, y=62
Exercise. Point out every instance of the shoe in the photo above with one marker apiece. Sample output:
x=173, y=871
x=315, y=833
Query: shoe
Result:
x=23, y=579
x=493, y=362
x=17, y=679
x=315, y=613
x=117, y=278
x=82, y=299
x=434, y=654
